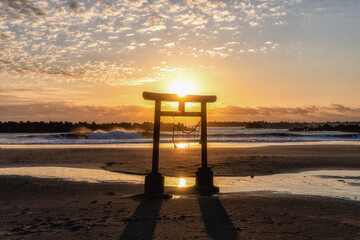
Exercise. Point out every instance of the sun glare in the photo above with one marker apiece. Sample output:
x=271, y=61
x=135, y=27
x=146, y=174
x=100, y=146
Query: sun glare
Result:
x=182, y=88
x=182, y=182
x=181, y=145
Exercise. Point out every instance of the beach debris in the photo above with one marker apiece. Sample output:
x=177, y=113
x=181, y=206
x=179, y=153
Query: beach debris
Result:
x=110, y=193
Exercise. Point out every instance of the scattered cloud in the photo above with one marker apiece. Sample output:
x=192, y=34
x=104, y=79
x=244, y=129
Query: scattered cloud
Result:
x=58, y=37
x=62, y=111
x=135, y=113
x=154, y=39
x=23, y=7
x=77, y=8
x=332, y=112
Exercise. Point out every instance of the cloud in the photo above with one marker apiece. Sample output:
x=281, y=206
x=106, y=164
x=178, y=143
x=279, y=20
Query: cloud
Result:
x=342, y=109
x=137, y=3
x=4, y=62
x=155, y=40
x=49, y=42
x=62, y=111
x=103, y=72
x=23, y=7
x=223, y=16
x=191, y=19
x=5, y=35
x=333, y=112
x=77, y=8
x=11, y=90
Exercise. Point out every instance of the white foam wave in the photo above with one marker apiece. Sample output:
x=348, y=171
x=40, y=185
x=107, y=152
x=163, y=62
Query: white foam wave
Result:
x=114, y=135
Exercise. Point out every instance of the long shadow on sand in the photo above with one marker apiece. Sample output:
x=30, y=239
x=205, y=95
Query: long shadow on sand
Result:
x=142, y=223
x=217, y=223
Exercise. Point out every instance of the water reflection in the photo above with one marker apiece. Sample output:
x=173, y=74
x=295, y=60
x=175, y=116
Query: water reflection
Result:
x=181, y=145
x=182, y=182
x=330, y=183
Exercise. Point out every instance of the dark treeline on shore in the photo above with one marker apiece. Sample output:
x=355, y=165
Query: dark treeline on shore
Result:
x=343, y=127
x=294, y=126
x=60, y=126
x=257, y=124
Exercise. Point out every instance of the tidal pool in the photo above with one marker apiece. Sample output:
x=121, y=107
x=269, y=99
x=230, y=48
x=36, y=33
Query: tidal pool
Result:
x=328, y=183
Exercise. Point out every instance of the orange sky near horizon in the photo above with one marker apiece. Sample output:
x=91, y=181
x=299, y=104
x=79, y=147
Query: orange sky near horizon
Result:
x=291, y=60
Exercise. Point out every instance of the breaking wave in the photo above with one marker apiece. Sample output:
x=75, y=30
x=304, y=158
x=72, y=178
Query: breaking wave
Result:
x=221, y=135
x=115, y=135
x=279, y=135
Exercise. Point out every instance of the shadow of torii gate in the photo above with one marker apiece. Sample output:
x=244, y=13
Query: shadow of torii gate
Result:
x=154, y=181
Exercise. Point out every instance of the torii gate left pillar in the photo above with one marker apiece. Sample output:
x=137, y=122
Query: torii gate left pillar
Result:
x=154, y=181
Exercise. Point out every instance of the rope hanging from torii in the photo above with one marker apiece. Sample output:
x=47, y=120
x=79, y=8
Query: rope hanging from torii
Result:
x=186, y=133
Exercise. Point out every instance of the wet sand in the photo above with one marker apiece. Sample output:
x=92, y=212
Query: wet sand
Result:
x=184, y=162
x=54, y=209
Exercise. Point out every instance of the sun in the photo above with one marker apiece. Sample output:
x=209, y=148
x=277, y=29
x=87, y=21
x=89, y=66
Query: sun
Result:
x=182, y=87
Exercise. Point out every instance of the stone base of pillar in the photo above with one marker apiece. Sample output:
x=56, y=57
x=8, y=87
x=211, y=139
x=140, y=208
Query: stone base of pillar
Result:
x=205, y=181
x=154, y=184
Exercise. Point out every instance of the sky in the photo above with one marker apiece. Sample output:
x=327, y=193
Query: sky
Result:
x=271, y=60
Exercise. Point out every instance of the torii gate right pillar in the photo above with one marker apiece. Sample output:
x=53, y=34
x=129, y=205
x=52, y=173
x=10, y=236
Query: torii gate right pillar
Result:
x=204, y=176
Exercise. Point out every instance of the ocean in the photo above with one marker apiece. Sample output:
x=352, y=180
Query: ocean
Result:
x=216, y=135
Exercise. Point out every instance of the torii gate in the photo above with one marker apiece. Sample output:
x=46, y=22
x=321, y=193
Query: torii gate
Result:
x=154, y=181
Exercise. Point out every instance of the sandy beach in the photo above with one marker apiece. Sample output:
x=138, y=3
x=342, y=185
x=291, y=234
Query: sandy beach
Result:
x=33, y=208
x=255, y=101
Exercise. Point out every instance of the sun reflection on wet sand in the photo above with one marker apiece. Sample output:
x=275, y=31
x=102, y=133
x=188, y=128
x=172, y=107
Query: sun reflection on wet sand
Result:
x=182, y=182
x=329, y=183
x=181, y=145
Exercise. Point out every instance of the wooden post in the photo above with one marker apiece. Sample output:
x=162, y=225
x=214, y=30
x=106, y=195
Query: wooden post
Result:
x=203, y=135
x=156, y=139
x=154, y=181
x=181, y=107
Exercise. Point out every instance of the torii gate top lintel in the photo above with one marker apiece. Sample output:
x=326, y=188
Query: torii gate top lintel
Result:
x=158, y=97
x=176, y=98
